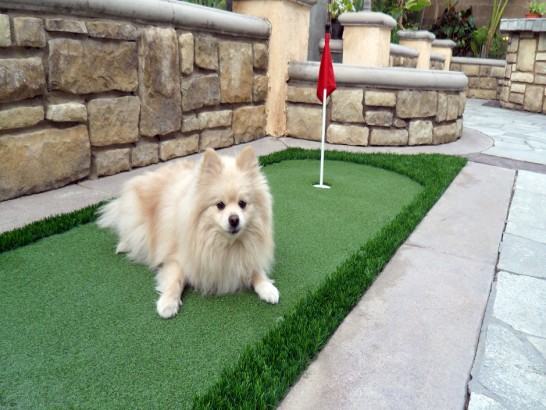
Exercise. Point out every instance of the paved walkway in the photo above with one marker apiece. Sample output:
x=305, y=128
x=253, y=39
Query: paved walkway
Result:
x=517, y=135
x=454, y=320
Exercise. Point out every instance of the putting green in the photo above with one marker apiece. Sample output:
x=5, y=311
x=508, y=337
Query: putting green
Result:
x=78, y=326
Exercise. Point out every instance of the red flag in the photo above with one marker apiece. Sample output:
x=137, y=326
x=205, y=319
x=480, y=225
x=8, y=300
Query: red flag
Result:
x=326, y=77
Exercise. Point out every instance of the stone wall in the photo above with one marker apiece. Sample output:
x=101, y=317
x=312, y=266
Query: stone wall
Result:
x=84, y=97
x=437, y=61
x=485, y=76
x=412, y=107
x=401, y=56
x=524, y=87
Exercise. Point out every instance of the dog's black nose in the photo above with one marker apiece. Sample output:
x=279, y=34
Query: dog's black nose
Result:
x=233, y=220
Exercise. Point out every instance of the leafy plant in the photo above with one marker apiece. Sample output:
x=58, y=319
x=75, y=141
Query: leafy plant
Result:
x=337, y=7
x=494, y=21
x=401, y=10
x=499, y=47
x=478, y=40
x=416, y=5
x=537, y=7
x=458, y=26
x=486, y=41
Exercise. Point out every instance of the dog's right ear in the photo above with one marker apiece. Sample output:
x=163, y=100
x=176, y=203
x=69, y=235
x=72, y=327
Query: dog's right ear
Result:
x=212, y=164
x=247, y=159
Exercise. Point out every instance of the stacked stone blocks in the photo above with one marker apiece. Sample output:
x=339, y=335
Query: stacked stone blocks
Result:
x=524, y=87
x=372, y=116
x=485, y=77
x=83, y=98
x=401, y=60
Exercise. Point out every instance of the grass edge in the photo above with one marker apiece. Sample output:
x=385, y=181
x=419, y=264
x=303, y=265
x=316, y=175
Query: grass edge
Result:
x=266, y=371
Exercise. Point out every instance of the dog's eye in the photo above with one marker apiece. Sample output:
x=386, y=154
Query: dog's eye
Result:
x=242, y=204
x=220, y=205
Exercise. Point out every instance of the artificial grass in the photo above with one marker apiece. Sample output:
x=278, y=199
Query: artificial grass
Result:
x=79, y=329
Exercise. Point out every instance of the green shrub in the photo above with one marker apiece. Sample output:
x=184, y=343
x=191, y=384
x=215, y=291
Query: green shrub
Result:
x=458, y=26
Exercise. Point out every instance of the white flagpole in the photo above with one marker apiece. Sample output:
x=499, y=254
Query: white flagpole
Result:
x=321, y=184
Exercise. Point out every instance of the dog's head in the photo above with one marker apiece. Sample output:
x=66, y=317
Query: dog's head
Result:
x=236, y=192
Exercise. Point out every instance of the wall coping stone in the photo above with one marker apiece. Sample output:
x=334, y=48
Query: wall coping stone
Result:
x=437, y=57
x=443, y=43
x=479, y=61
x=367, y=18
x=537, y=25
x=416, y=35
x=399, y=50
x=336, y=46
x=164, y=11
x=382, y=77
x=309, y=3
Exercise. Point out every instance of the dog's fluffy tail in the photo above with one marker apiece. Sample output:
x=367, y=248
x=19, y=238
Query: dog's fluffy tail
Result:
x=109, y=215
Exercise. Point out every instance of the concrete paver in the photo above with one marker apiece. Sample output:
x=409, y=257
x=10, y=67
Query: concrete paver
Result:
x=510, y=365
x=413, y=336
x=523, y=256
x=469, y=221
x=522, y=204
x=515, y=303
x=18, y=212
x=501, y=124
x=519, y=382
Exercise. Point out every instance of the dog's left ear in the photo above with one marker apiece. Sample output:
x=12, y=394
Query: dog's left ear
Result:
x=212, y=165
x=247, y=159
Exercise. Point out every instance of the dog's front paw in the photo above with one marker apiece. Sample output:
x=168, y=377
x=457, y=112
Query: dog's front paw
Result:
x=167, y=307
x=122, y=248
x=267, y=292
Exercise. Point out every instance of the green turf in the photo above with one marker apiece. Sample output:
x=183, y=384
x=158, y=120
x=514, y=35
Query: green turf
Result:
x=79, y=328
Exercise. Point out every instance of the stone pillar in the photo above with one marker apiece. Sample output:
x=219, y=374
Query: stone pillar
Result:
x=336, y=50
x=525, y=76
x=445, y=48
x=366, y=38
x=420, y=40
x=288, y=41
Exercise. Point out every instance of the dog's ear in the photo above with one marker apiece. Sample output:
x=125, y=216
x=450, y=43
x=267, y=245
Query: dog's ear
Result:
x=212, y=164
x=247, y=159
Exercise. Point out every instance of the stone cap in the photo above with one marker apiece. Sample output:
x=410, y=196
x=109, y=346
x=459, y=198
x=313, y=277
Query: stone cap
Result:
x=537, y=25
x=398, y=50
x=178, y=13
x=309, y=3
x=479, y=61
x=437, y=57
x=367, y=18
x=336, y=46
x=383, y=77
x=443, y=43
x=416, y=35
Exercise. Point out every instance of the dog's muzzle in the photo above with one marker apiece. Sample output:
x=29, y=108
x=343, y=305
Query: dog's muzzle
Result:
x=233, y=224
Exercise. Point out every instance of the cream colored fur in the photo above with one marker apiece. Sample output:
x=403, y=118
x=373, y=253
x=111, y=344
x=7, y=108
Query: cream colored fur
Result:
x=176, y=220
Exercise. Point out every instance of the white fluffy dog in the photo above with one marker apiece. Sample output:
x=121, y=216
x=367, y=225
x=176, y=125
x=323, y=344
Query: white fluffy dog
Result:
x=208, y=225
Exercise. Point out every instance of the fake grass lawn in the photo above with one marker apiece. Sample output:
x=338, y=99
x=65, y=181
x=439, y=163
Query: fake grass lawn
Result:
x=78, y=326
